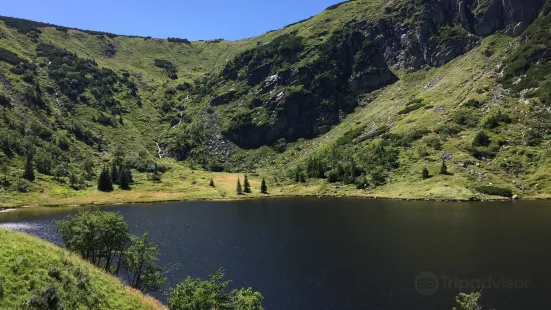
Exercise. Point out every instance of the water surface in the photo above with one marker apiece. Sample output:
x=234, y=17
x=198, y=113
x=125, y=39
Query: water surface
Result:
x=309, y=253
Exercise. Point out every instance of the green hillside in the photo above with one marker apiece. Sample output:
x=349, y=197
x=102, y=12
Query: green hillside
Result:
x=38, y=275
x=357, y=100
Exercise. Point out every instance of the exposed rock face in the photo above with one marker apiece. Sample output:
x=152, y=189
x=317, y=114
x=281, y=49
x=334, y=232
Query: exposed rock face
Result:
x=308, y=99
x=410, y=46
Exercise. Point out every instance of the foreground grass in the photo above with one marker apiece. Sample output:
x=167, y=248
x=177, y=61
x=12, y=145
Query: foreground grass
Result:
x=25, y=266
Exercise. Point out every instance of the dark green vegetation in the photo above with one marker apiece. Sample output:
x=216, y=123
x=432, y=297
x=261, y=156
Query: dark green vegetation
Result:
x=343, y=97
x=195, y=293
x=103, y=239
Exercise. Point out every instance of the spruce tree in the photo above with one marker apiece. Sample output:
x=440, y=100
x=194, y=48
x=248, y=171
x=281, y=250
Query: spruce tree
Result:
x=105, y=184
x=125, y=178
x=263, y=187
x=239, y=189
x=115, y=175
x=29, y=169
x=425, y=173
x=211, y=183
x=246, y=185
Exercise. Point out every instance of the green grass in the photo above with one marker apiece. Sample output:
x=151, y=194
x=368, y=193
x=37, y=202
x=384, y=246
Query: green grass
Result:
x=422, y=114
x=28, y=264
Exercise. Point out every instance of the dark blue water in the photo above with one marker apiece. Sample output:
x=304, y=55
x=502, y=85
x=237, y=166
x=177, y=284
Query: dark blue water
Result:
x=347, y=253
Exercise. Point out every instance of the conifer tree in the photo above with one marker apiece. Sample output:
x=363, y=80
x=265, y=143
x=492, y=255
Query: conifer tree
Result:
x=239, y=189
x=125, y=178
x=263, y=187
x=211, y=183
x=115, y=175
x=105, y=184
x=246, y=185
x=29, y=169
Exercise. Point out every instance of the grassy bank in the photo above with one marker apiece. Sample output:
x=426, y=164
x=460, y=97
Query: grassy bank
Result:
x=29, y=265
x=180, y=183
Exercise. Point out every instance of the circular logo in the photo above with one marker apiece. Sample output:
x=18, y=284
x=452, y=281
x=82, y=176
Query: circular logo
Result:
x=426, y=283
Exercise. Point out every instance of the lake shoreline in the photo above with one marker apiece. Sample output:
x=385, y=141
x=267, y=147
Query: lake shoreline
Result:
x=256, y=197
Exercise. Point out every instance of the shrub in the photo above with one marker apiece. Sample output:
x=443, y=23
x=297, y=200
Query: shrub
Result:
x=425, y=174
x=10, y=57
x=178, y=40
x=494, y=119
x=481, y=139
x=46, y=298
x=349, y=136
x=465, y=119
x=44, y=162
x=495, y=191
x=433, y=142
x=449, y=129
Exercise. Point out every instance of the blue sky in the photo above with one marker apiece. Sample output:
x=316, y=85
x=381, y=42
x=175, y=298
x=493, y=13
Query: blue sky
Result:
x=194, y=20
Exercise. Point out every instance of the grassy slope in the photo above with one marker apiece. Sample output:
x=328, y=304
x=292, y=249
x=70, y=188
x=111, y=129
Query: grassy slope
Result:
x=24, y=262
x=471, y=76
x=445, y=90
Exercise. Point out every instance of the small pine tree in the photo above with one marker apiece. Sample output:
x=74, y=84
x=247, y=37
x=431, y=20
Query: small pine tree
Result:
x=105, y=184
x=211, y=183
x=246, y=185
x=425, y=173
x=125, y=178
x=239, y=189
x=115, y=175
x=263, y=187
x=444, y=168
x=29, y=169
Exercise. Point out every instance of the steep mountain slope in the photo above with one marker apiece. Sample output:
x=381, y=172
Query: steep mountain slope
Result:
x=366, y=94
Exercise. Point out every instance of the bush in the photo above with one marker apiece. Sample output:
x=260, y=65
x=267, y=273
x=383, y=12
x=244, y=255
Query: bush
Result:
x=178, y=40
x=495, y=191
x=494, y=119
x=433, y=142
x=449, y=129
x=481, y=139
x=425, y=174
x=195, y=293
x=169, y=67
x=10, y=57
x=23, y=185
x=349, y=136
x=465, y=119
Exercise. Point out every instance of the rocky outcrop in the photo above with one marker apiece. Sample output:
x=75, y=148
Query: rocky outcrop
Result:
x=445, y=29
x=223, y=99
x=307, y=98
